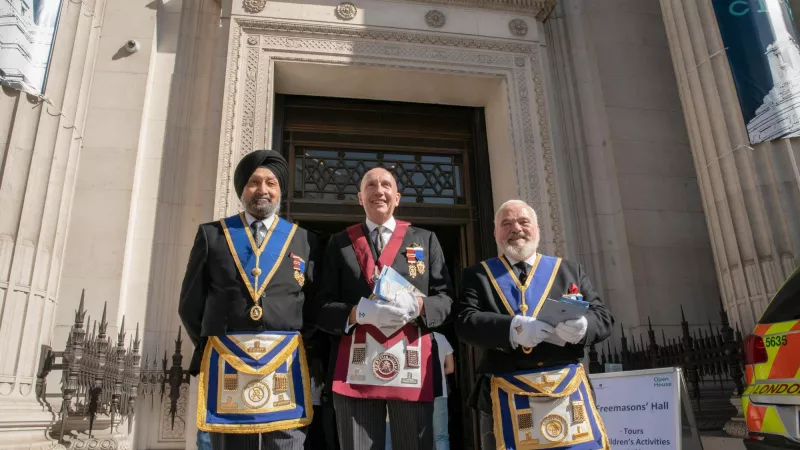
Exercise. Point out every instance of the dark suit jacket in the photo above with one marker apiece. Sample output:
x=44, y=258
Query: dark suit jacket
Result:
x=214, y=299
x=342, y=284
x=484, y=322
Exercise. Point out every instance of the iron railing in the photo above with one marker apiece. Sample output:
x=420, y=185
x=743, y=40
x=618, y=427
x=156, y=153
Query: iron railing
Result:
x=712, y=358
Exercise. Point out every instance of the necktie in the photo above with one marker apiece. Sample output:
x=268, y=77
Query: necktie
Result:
x=379, y=239
x=522, y=268
x=259, y=232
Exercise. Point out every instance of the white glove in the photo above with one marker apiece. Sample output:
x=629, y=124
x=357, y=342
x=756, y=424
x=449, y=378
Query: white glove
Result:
x=380, y=313
x=572, y=331
x=528, y=332
x=408, y=302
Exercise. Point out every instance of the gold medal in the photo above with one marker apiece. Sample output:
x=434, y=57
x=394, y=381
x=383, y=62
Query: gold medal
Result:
x=414, y=266
x=299, y=269
x=255, y=312
x=300, y=278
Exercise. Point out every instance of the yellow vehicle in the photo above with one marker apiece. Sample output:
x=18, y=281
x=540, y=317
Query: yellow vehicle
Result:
x=771, y=400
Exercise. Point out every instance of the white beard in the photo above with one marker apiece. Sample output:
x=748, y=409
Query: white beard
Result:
x=520, y=252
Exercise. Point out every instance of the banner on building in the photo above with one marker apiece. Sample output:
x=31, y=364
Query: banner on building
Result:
x=761, y=43
x=26, y=40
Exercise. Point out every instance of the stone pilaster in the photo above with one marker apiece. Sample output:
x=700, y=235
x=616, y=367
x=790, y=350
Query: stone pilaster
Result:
x=189, y=113
x=41, y=141
x=749, y=193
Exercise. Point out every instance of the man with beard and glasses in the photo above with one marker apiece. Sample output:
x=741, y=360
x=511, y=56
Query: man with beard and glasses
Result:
x=242, y=302
x=383, y=352
x=531, y=391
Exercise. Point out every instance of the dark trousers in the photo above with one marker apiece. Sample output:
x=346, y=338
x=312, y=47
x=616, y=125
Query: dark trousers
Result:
x=293, y=439
x=362, y=423
x=315, y=439
x=486, y=428
x=329, y=426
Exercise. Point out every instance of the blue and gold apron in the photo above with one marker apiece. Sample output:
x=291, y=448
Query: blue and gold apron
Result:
x=253, y=382
x=548, y=408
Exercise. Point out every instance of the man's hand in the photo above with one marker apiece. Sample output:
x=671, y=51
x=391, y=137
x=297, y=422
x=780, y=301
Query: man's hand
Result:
x=408, y=302
x=529, y=332
x=572, y=331
x=380, y=314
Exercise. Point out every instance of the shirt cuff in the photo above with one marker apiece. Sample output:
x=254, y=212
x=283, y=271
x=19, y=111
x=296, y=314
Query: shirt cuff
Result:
x=348, y=326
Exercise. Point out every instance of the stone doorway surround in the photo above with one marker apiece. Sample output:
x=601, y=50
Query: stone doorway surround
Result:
x=264, y=55
x=507, y=77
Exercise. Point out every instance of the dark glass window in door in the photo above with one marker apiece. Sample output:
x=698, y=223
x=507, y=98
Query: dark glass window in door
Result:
x=335, y=175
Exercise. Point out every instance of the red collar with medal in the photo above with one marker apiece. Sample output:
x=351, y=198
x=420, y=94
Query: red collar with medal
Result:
x=363, y=252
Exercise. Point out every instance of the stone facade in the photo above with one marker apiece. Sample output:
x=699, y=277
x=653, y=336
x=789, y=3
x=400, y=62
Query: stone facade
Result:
x=750, y=194
x=107, y=184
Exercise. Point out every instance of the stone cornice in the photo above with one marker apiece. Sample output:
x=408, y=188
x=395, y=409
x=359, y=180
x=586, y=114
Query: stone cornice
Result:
x=541, y=9
x=258, y=24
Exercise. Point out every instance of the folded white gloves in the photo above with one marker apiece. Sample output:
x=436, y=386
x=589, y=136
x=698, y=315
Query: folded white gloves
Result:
x=408, y=302
x=572, y=331
x=528, y=332
x=380, y=313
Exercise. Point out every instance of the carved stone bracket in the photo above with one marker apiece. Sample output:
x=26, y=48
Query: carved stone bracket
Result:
x=518, y=27
x=346, y=11
x=541, y=9
x=248, y=93
x=254, y=6
x=435, y=19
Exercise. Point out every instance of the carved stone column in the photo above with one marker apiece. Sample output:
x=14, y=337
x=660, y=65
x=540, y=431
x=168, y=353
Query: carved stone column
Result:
x=750, y=194
x=41, y=140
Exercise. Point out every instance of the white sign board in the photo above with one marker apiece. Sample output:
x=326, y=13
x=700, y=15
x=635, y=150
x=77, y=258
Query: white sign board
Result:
x=642, y=409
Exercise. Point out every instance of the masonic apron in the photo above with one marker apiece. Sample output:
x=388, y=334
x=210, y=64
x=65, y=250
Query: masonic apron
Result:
x=373, y=364
x=548, y=408
x=255, y=382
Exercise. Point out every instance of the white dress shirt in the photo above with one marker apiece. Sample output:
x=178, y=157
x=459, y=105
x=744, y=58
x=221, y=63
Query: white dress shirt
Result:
x=267, y=222
x=388, y=229
x=530, y=260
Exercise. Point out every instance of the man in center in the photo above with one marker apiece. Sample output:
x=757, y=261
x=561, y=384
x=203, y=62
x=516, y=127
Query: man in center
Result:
x=383, y=357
